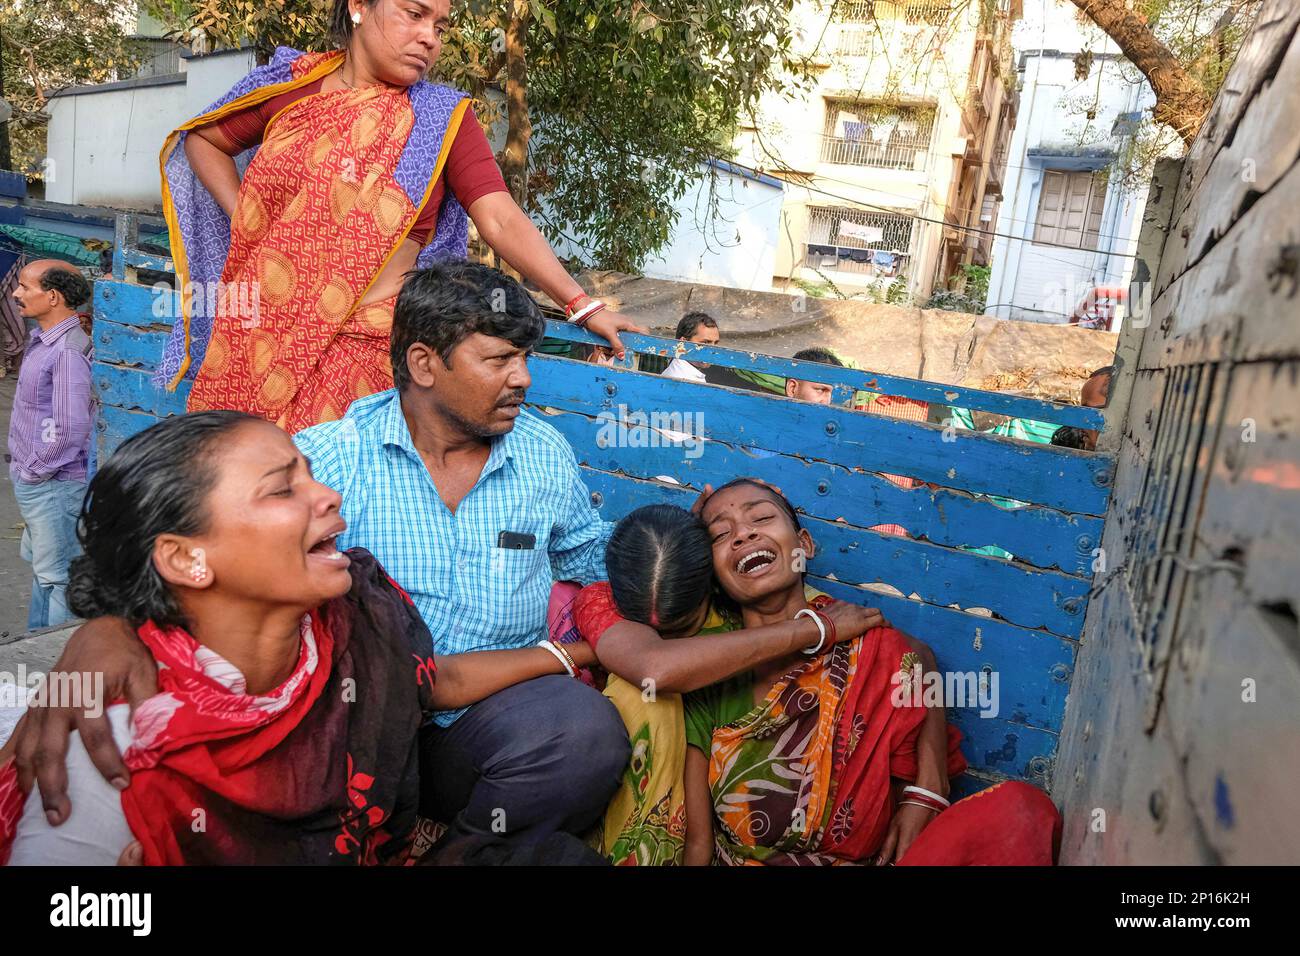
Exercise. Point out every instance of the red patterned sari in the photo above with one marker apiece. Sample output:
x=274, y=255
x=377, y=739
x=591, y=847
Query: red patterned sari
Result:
x=805, y=777
x=320, y=213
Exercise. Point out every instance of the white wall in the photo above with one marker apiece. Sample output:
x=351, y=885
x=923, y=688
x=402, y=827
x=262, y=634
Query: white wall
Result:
x=1039, y=282
x=729, y=241
x=103, y=144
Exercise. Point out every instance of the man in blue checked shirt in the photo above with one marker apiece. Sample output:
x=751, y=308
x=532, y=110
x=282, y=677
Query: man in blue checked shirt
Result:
x=475, y=506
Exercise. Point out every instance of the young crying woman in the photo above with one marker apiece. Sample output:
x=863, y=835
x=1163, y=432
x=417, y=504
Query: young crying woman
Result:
x=292, y=677
x=799, y=757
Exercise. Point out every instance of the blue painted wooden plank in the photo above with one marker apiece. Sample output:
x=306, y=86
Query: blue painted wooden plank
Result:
x=118, y=344
x=127, y=303
x=1034, y=666
x=973, y=781
x=1005, y=748
x=116, y=425
x=131, y=388
x=1040, y=536
x=1060, y=478
x=1015, y=406
x=147, y=260
x=940, y=576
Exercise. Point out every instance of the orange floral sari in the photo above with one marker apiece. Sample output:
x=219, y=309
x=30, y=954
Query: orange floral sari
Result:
x=319, y=215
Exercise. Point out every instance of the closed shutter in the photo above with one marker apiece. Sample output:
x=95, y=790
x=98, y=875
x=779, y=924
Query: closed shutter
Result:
x=1051, y=206
x=1070, y=209
x=1096, y=207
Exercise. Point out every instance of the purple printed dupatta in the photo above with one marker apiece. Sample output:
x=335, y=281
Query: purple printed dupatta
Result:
x=200, y=231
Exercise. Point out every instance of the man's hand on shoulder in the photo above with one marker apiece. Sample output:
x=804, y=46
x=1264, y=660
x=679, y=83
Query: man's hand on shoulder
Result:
x=106, y=648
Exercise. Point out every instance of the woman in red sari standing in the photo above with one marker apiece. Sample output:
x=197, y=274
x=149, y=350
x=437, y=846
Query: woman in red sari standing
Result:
x=356, y=170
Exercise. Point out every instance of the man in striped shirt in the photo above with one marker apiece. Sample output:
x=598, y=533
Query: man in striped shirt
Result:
x=49, y=431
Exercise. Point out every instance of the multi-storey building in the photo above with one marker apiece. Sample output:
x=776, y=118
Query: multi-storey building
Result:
x=893, y=161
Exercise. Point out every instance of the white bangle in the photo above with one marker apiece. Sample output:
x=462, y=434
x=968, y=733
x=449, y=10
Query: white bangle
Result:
x=926, y=793
x=595, y=305
x=821, y=629
x=555, y=652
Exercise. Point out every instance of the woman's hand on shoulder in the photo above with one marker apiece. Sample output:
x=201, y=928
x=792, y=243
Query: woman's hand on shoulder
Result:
x=853, y=620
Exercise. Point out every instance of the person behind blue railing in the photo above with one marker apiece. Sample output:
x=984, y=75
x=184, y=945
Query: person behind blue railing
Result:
x=702, y=329
x=50, y=430
x=816, y=392
x=473, y=505
x=792, y=760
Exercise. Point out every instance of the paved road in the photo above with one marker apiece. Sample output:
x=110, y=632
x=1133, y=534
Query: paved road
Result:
x=15, y=573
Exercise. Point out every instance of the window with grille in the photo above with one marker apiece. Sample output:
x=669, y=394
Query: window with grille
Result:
x=858, y=240
x=1070, y=208
x=932, y=12
x=912, y=12
x=857, y=11
x=861, y=133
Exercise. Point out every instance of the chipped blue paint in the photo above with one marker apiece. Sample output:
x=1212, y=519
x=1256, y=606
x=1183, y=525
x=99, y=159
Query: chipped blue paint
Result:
x=1223, y=803
x=1060, y=478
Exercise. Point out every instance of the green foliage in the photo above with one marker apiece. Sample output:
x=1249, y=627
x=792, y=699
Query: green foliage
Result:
x=626, y=98
x=971, y=298
x=897, y=293
x=51, y=45
x=815, y=290
x=977, y=283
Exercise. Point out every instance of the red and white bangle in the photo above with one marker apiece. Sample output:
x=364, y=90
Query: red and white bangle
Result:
x=583, y=315
x=918, y=803
x=568, y=306
x=921, y=797
x=562, y=656
x=816, y=618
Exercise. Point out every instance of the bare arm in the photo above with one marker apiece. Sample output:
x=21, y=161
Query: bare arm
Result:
x=465, y=679
x=932, y=741
x=932, y=770
x=636, y=652
x=508, y=230
x=212, y=157
x=699, y=810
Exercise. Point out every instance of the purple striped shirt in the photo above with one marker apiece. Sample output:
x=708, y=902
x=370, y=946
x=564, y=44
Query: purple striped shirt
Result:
x=49, y=432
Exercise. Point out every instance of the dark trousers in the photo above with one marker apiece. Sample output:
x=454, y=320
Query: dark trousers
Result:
x=536, y=758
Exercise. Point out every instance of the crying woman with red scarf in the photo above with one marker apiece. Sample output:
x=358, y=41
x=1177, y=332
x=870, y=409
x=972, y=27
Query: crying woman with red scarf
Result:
x=293, y=677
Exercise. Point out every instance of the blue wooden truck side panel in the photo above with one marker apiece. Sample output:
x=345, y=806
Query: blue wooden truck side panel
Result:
x=1014, y=620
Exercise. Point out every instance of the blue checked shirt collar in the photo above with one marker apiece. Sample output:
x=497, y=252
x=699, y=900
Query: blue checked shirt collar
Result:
x=395, y=432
